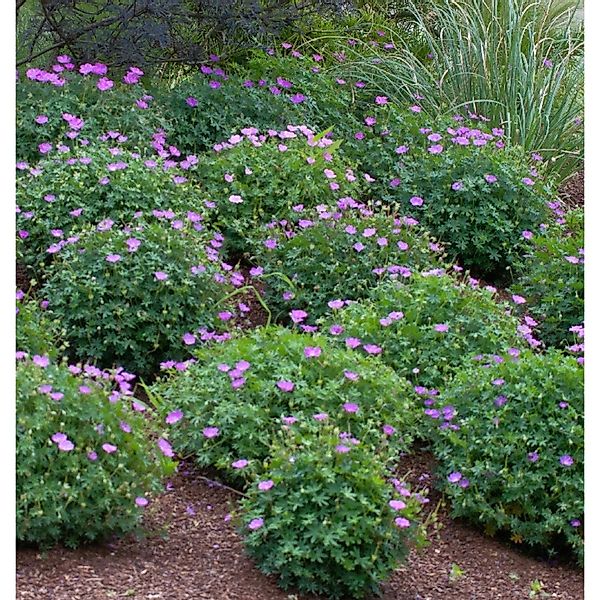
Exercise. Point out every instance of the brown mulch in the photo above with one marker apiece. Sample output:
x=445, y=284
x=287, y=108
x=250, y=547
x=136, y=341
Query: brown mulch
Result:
x=23, y=280
x=571, y=192
x=202, y=558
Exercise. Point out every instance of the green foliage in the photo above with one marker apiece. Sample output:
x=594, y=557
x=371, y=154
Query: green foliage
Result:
x=517, y=62
x=401, y=319
x=416, y=159
x=67, y=494
x=88, y=185
x=268, y=175
x=552, y=284
x=37, y=332
x=122, y=312
x=339, y=253
x=517, y=420
x=326, y=526
x=234, y=387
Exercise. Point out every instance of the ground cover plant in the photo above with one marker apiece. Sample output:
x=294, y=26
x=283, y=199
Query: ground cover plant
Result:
x=551, y=278
x=137, y=295
x=324, y=519
x=510, y=444
x=169, y=216
x=86, y=460
x=332, y=255
x=232, y=402
x=426, y=326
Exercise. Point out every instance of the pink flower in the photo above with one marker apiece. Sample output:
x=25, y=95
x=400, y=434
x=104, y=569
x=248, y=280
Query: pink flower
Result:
x=210, y=432
x=113, y=258
x=518, y=299
x=381, y=100
x=165, y=447
x=65, y=445
x=141, y=501
x=312, y=351
x=401, y=522
x=235, y=199
x=239, y=464
x=104, y=84
x=41, y=361
x=341, y=449
x=350, y=407
x=298, y=316
x=265, y=485
x=160, y=276
x=435, y=149
x=285, y=386
x=256, y=524
x=321, y=417
x=173, y=417
x=189, y=339
x=388, y=430
x=351, y=375
x=109, y=448
x=335, y=304
x=416, y=201
x=353, y=342
x=441, y=327
x=397, y=504
x=372, y=349
x=527, y=234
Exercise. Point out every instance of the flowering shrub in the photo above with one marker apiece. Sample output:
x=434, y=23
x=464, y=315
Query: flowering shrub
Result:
x=129, y=296
x=338, y=253
x=238, y=395
x=37, y=332
x=427, y=327
x=85, y=459
x=254, y=178
x=511, y=447
x=71, y=189
x=460, y=181
x=324, y=520
x=552, y=279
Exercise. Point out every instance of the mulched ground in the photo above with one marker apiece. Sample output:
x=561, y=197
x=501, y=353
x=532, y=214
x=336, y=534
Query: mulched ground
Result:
x=572, y=191
x=202, y=558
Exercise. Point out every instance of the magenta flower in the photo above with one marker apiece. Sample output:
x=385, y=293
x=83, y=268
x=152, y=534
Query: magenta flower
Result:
x=189, y=339
x=528, y=181
x=141, y=501
x=388, y=430
x=498, y=382
x=350, y=407
x=285, y=386
x=41, y=361
x=235, y=199
x=312, y=351
x=160, y=276
x=401, y=522
x=416, y=201
x=210, y=432
x=109, y=448
x=58, y=437
x=490, y=178
x=457, y=185
x=397, y=504
x=173, y=417
x=351, y=375
x=256, y=524
x=265, y=485
x=191, y=101
x=353, y=342
x=341, y=449
x=321, y=417
x=113, y=258
x=92, y=456
x=65, y=445
x=165, y=447
x=372, y=349
x=455, y=477
x=298, y=316
x=566, y=460
x=289, y=420
x=239, y=464
x=297, y=98
x=105, y=84
x=441, y=327
x=435, y=149
x=381, y=100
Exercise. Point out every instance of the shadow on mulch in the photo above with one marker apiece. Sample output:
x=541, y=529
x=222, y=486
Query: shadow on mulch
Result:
x=196, y=554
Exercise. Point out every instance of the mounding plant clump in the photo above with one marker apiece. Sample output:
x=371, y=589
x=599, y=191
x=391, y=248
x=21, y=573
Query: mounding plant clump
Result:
x=510, y=444
x=86, y=459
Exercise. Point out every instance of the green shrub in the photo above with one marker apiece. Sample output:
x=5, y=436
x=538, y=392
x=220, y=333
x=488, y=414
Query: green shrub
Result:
x=255, y=178
x=235, y=399
x=339, y=253
x=116, y=110
x=127, y=296
x=551, y=279
x=85, y=459
x=87, y=186
x=325, y=526
x=458, y=180
x=427, y=327
x=512, y=460
x=37, y=332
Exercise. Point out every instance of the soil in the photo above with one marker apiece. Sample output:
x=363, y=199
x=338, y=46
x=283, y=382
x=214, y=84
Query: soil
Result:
x=194, y=553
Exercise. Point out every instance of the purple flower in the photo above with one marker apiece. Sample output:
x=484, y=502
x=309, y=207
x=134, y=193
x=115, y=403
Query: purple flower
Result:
x=41, y=361
x=401, y=522
x=441, y=327
x=165, y=447
x=104, y=84
x=457, y=185
x=498, y=381
x=397, y=504
x=533, y=457
x=298, y=316
x=173, y=417
x=256, y=524
x=160, y=276
x=575, y=523
x=92, y=456
x=350, y=407
x=321, y=417
x=239, y=464
x=58, y=437
x=210, y=432
x=351, y=375
x=189, y=339
x=312, y=351
x=109, y=448
x=191, y=101
x=566, y=460
x=265, y=485
x=353, y=342
x=65, y=445
x=285, y=386
x=341, y=449
x=113, y=258
x=297, y=98
x=416, y=201
x=527, y=181
x=518, y=299
x=455, y=477
x=372, y=349
x=435, y=149
x=490, y=178
x=388, y=430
